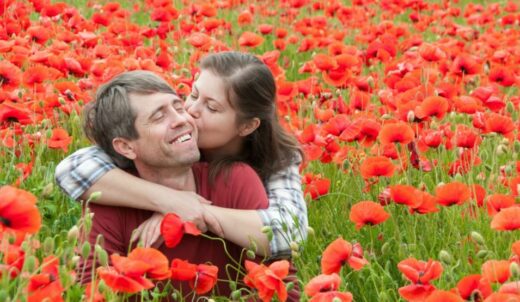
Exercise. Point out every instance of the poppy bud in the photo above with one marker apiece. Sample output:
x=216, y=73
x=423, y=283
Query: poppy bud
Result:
x=289, y=286
x=445, y=257
x=85, y=250
x=482, y=254
x=477, y=238
x=102, y=256
x=235, y=295
x=48, y=245
x=386, y=246
x=73, y=233
x=501, y=149
x=61, y=100
x=47, y=190
x=75, y=261
x=29, y=264
x=253, y=246
x=516, y=146
x=336, y=299
x=310, y=231
x=294, y=246
x=295, y=254
x=25, y=246
x=515, y=270
x=458, y=177
x=232, y=285
x=267, y=230
x=386, y=116
x=250, y=254
x=94, y=196
x=410, y=117
x=102, y=287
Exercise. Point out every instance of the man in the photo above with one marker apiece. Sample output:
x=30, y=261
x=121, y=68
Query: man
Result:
x=138, y=120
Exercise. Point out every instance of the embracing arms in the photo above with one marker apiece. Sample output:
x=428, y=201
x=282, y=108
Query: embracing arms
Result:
x=84, y=172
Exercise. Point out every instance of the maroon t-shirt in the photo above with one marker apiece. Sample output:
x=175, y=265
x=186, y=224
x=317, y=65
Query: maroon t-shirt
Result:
x=241, y=188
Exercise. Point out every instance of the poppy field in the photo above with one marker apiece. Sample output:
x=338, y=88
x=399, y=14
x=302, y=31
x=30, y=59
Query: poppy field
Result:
x=407, y=112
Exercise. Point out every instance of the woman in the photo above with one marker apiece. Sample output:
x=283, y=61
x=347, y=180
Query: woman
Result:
x=233, y=103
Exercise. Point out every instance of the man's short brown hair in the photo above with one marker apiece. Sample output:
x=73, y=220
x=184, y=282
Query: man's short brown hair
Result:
x=111, y=115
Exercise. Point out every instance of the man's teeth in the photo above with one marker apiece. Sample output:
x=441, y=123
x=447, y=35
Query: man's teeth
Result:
x=182, y=138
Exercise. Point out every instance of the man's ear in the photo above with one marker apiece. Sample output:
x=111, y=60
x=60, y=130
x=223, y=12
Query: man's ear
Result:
x=249, y=127
x=124, y=147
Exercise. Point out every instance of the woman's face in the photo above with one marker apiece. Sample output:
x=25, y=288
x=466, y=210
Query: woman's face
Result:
x=215, y=118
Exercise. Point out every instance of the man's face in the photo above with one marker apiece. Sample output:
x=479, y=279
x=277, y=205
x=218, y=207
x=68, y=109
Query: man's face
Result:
x=167, y=133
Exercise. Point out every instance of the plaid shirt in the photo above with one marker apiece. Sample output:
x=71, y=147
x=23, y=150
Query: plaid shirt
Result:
x=286, y=215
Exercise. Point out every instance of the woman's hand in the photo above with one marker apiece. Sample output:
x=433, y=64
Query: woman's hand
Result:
x=149, y=232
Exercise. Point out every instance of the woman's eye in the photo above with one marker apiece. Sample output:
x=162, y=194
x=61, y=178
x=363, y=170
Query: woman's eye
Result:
x=193, y=96
x=212, y=109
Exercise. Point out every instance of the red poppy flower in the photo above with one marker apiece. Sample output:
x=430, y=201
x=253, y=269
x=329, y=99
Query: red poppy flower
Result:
x=340, y=252
x=316, y=186
x=11, y=112
x=427, y=203
x=443, y=296
x=432, y=106
x=250, y=39
x=332, y=296
x=420, y=272
x=183, y=270
x=93, y=294
x=367, y=212
x=465, y=137
x=324, y=62
x=496, y=270
x=46, y=284
x=510, y=288
x=377, y=166
x=10, y=75
x=502, y=297
x=500, y=124
x=173, y=228
x=322, y=283
x=515, y=248
x=199, y=40
x=158, y=262
x=399, y=132
x=467, y=104
x=416, y=292
x=120, y=282
x=452, y=193
x=496, y=202
x=363, y=130
x=205, y=280
x=12, y=260
x=267, y=280
x=60, y=139
x=18, y=211
x=502, y=75
x=431, y=53
x=474, y=287
x=465, y=64
x=507, y=220
x=405, y=194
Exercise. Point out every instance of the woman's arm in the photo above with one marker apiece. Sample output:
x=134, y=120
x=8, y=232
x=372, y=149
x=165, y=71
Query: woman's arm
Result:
x=90, y=170
x=287, y=212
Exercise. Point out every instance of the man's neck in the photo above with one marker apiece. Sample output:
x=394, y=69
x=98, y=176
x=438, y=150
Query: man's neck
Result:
x=179, y=178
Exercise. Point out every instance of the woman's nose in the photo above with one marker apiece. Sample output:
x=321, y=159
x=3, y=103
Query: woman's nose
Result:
x=193, y=110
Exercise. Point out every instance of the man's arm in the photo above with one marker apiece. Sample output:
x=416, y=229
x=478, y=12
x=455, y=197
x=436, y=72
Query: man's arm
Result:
x=90, y=170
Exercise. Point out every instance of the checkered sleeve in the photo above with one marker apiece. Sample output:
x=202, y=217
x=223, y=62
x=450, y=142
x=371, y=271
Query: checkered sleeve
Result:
x=287, y=212
x=80, y=170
